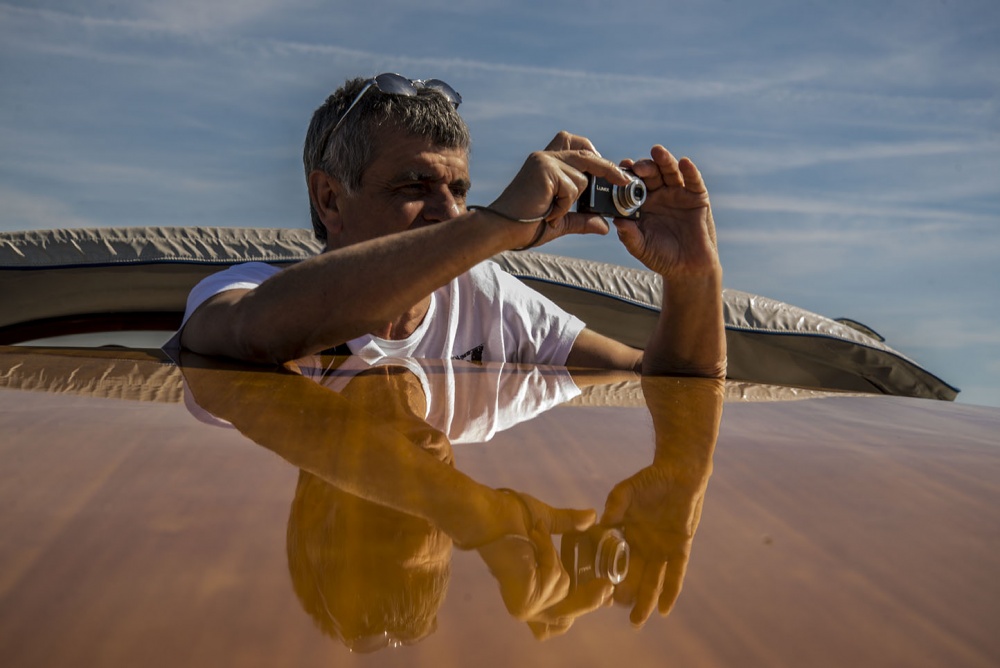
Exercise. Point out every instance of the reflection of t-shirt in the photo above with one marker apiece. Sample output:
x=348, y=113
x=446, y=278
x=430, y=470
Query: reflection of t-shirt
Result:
x=469, y=403
x=483, y=315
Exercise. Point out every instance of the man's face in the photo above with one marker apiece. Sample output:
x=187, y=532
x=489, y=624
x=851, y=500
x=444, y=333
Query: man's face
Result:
x=410, y=183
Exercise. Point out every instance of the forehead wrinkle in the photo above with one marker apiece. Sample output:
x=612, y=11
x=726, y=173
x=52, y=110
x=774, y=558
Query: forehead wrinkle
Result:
x=427, y=176
x=416, y=159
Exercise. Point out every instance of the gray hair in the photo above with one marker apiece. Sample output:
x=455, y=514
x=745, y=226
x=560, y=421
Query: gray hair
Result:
x=346, y=155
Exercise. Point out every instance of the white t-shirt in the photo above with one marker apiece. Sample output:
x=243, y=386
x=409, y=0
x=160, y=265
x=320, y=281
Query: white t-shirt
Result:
x=483, y=315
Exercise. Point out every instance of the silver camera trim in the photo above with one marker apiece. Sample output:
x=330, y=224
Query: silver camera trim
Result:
x=623, y=198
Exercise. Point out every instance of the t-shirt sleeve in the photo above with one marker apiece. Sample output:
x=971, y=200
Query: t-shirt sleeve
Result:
x=245, y=276
x=543, y=331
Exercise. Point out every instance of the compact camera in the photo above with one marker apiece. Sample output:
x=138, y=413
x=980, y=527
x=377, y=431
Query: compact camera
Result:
x=606, y=199
x=600, y=552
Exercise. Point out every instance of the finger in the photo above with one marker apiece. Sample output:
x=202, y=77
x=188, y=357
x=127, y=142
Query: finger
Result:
x=568, y=141
x=618, y=502
x=673, y=581
x=586, y=598
x=543, y=631
x=645, y=168
x=626, y=590
x=623, y=596
x=586, y=223
x=592, y=163
x=649, y=172
x=558, y=618
x=693, y=180
x=569, y=519
x=554, y=583
x=567, y=183
x=562, y=204
x=649, y=593
x=630, y=235
x=556, y=520
x=669, y=170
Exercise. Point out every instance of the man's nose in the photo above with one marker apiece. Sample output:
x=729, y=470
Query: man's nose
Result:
x=441, y=205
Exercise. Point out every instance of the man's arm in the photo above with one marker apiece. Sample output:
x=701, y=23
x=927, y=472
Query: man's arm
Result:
x=344, y=293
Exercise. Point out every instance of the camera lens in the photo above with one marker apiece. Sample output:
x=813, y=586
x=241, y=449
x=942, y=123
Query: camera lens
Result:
x=612, y=556
x=630, y=197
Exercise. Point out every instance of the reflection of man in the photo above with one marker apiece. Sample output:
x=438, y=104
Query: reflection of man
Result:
x=403, y=275
x=379, y=504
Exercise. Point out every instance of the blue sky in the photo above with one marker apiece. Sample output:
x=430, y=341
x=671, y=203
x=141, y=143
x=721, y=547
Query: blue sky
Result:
x=852, y=149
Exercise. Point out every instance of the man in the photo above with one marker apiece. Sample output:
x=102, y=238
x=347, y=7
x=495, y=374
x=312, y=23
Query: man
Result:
x=403, y=273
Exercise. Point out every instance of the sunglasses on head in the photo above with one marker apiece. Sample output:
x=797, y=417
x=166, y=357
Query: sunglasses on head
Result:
x=396, y=84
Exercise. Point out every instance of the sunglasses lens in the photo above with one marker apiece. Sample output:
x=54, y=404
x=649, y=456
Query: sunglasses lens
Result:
x=450, y=93
x=395, y=84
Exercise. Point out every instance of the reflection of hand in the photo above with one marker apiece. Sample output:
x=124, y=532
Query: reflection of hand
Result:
x=533, y=583
x=660, y=512
x=558, y=619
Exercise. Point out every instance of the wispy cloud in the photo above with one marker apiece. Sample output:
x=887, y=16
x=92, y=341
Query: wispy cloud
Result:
x=181, y=17
x=24, y=211
x=848, y=209
x=926, y=330
x=784, y=157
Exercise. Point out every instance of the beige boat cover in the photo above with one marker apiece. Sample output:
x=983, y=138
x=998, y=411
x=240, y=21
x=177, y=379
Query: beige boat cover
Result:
x=152, y=375
x=46, y=275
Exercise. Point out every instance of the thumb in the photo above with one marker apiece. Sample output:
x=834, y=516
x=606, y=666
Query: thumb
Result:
x=629, y=234
x=586, y=223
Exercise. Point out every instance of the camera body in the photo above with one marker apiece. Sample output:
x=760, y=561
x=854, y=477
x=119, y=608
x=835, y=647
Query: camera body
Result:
x=607, y=199
x=600, y=552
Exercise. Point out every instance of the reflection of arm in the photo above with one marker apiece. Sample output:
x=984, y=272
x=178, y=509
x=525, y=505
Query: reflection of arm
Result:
x=686, y=415
x=585, y=377
x=660, y=506
x=324, y=433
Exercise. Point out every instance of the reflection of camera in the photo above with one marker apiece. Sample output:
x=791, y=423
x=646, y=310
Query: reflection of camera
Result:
x=604, y=198
x=599, y=552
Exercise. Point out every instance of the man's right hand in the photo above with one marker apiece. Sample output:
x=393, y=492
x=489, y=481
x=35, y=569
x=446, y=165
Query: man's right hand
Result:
x=547, y=187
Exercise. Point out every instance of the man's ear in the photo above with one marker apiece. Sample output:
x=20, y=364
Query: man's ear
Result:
x=324, y=191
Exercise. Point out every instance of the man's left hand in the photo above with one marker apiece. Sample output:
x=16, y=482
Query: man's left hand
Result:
x=675, y=233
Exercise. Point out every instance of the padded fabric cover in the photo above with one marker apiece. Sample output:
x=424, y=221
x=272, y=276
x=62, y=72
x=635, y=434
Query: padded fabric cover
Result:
x=151, y=375
x=79, y=272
